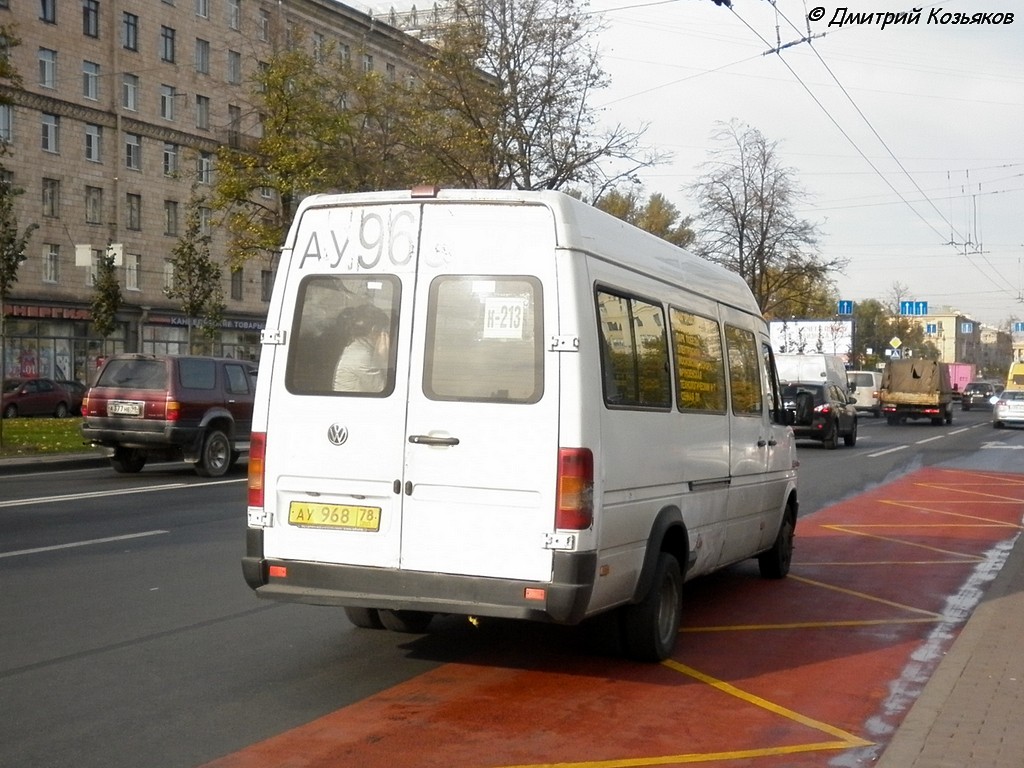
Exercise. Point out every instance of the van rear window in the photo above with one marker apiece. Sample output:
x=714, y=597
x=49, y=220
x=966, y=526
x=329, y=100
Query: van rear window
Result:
x=484, y=339
x=344, y=336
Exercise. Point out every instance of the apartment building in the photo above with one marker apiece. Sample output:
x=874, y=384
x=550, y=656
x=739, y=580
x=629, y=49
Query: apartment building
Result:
x=121, y=109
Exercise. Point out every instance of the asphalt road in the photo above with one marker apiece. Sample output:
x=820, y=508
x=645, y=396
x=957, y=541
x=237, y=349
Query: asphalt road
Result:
x=128, y=637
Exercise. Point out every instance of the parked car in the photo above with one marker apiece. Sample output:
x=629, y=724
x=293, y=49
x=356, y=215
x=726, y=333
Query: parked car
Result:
x=34, y=397
x=76, y=391
x=1008, y=409
x=977, y=394
x=864, y=391
x=821, y=412
x=198, y=409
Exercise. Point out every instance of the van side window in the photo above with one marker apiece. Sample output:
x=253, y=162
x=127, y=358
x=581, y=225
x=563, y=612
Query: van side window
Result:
x=484, y=339
x=634, y=347
x=344, y=336
x=700, y=364
x=744, y=371
x=771, y=385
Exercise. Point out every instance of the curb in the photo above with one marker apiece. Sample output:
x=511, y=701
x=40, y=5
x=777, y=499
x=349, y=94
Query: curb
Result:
x=55, y=461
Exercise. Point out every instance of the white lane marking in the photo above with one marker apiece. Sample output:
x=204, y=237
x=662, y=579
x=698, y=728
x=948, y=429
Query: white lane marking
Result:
x=116, y=492
x=930, y=439
x=55, y=547
x=888, y=450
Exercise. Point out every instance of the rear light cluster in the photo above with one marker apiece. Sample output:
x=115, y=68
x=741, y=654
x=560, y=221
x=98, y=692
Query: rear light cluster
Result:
x=257, y=453
x=172, y=411
x=824, y=409
x=574, y=506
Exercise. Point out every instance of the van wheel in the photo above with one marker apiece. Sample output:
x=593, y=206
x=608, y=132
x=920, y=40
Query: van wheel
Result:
x=364, y=618
x=414, y=622
x=216, y=456
x=850, y=440
x=774, y=564
x=892, y=421
x=650, y=628
x=128, y=460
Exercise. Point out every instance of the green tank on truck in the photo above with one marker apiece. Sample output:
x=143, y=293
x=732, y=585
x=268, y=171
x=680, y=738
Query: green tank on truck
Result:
x=917, y=389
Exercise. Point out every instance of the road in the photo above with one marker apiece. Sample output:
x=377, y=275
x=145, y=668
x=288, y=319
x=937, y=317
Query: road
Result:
x=128, y=637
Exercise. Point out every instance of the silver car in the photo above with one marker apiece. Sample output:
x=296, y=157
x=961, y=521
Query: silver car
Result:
x=1008, y=409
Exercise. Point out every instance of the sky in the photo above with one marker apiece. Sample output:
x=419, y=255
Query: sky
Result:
x=907, y=139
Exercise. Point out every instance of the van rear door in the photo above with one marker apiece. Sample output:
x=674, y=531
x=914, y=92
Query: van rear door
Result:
x=449, y=465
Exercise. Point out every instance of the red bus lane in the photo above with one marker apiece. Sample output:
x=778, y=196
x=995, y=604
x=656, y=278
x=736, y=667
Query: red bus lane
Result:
x=814, y=670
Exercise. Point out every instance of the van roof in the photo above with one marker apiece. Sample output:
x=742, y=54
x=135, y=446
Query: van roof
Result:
x=582, y=227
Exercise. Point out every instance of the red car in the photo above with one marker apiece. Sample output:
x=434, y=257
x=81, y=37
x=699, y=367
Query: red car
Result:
x=34, y=397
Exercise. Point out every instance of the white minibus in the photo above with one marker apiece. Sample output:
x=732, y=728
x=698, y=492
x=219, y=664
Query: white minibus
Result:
x=509, y=404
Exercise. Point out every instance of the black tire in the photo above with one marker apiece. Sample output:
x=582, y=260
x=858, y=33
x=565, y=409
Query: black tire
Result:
x=364, y=618
x=215, y=459
x=949, y=416
x=128, y=461
x=62, y=411
x=850, y=440
x=892, y=421
x=774, y=564
x=11, y=411
x=413, y=622
x=650, y=628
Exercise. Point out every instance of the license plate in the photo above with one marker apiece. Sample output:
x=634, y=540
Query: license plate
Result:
x=335, y=516
x=124, y=408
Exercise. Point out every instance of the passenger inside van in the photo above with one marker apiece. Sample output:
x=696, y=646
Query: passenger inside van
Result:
x=362, y=366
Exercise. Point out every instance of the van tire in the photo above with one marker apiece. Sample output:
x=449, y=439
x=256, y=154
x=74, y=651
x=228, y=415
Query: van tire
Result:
x=831, y=440
x=215, y=459
x=412, y=622
x=364, y=618
x=850, y=439
x=774, y=564
x=650, y=628
x=128, y=461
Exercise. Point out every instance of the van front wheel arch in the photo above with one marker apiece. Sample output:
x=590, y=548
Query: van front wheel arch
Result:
x=650, y=627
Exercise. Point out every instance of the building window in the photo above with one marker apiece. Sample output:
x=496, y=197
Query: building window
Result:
x=167, y=96
x=168, y=275
x=91, y=80
x=203, y=9
x=234, y=126
x=167, y=44
x=93, y=205
x=130, y=31
x=97, y=254
x=130, y=92
x=6, y=122
x=202, y=56
x=51, y=263
x=319, y=46
x=51, y=198
x=235, y=14
x=367, y=62
x=133, y=151
x=204, y=168
x=131, y=271
x=133, y=211
x=170, y=159
x=234, y=67
x=51, y=133
x=203, y=112
x=266, y=284
x=91, y=18
x=236, y=284
x=171, y=217
x=93, y=143
x=205, y=221
x=263, y=25
x=47, y=68
x=392, y=73
x=48, y=11
x=345, y=52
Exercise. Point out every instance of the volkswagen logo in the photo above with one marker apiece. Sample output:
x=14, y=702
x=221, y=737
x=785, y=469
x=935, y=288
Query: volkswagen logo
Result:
x=337, y=434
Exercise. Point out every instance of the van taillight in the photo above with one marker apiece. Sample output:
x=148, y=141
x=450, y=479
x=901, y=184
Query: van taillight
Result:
x=575, y=501
x=257, y=450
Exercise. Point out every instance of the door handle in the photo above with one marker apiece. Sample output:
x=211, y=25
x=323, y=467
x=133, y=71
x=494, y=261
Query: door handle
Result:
x=431, y=440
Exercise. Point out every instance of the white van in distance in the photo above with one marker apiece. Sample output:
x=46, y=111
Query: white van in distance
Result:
x=509, y=404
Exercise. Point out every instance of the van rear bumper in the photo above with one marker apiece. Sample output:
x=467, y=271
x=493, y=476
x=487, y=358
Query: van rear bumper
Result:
x=565, y=601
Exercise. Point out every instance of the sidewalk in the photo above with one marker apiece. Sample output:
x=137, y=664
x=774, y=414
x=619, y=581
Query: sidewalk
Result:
x=971, y=712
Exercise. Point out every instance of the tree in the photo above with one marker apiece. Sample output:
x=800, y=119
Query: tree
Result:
x=106, y=300
x=657, y=216
x=505, y=103
x=197, y=277
x=746, y=202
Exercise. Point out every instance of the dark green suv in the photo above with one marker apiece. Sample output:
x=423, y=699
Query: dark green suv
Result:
x=171, y=407
x=977, y=394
